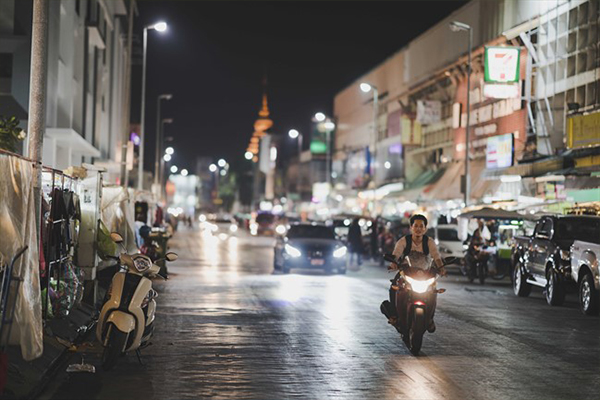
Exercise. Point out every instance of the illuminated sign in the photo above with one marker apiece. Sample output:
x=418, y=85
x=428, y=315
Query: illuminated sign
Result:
x=502, y=64
x=499, y=151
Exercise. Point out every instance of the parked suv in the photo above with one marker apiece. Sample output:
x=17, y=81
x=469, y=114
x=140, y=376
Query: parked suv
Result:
x=585, y=256
x=544, y=259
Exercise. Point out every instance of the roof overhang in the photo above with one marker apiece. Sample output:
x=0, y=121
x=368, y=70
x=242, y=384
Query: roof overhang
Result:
x=68, y=137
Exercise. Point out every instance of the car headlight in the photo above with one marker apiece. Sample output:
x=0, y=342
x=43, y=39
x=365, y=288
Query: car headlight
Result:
x=280, y=229
x=233, y=228
x=419, y=286
x=341, y=252
x=292, y=251
x=565, y=255
x=142, y=263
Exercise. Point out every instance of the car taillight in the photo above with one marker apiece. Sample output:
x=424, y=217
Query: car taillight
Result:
x=419, y=303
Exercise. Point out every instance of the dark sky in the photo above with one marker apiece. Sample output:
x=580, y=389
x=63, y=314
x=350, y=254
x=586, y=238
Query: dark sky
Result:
x=214, y=54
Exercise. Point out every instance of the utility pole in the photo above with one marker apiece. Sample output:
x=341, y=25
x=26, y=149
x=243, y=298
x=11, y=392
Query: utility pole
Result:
x=37, y=98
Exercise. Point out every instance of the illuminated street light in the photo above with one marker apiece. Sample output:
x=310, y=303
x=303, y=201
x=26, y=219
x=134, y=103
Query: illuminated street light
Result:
x=329, y=126
x=223, y=172
x=248, y=155
x=174, y=169
x=160, y=26
x=365, y=87
x=212, y=167
x=293, y=133
x=167, y=157
x=169, y=150
x=184, y=172
x=221, y=163
x=387, y=165
x=320, y=117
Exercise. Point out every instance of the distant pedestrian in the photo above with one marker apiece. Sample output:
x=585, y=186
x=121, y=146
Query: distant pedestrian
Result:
x=355, y=242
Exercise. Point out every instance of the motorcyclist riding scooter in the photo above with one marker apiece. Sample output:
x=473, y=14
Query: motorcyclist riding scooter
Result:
x=417, y=245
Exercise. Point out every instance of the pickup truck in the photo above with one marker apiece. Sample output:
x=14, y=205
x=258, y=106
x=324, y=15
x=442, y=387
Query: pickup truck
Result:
x=585, y=256
x=544, y=258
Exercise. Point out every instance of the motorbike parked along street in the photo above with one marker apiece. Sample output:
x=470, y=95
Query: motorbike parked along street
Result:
x=126, y=319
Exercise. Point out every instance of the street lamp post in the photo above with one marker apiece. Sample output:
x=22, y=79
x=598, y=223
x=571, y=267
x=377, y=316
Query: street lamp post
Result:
x=456, y=26
x=366, y=88
x=293, y=133
x=160, y=27
x=161, y=170
x=159, y=138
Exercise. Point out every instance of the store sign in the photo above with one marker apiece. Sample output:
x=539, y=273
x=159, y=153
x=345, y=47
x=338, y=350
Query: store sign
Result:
x=501, y=91
x=502, y=64
x=499, y=151
x=583, y=131
x=429, y=111
x=411, y=131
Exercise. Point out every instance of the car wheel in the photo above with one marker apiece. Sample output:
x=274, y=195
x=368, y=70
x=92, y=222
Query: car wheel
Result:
x=555, y=292
x=520, y=285
x=588, y=296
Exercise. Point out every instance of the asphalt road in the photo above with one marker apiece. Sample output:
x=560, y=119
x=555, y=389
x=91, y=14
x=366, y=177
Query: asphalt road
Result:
x=229, y=328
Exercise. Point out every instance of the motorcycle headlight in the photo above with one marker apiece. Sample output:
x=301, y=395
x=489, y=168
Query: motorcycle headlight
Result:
x=341, y=252
x=565, y=255
x=142, y=263
x=233, y=228
x=292, y=251
x=280, y=229
x=420, y=286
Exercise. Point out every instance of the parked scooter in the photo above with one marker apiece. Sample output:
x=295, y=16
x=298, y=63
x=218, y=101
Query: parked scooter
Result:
x=126, y=320
x=420, y=285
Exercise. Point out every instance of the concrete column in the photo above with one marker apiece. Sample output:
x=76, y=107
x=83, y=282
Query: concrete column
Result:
x=37, y=97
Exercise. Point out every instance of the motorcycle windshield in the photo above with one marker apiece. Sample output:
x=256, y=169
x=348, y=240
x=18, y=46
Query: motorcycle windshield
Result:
x=418, y=260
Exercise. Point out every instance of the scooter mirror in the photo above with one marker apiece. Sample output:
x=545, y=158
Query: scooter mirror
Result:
x=116, y=237
x=171, y=256
x=389, y=257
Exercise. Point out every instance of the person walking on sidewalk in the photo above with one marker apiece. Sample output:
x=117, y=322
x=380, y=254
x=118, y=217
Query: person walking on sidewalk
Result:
x=355, y=242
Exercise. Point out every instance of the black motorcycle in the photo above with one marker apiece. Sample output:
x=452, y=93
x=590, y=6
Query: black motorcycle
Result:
x=418, y=286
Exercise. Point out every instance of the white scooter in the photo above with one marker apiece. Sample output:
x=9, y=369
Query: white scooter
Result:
x=126, y=320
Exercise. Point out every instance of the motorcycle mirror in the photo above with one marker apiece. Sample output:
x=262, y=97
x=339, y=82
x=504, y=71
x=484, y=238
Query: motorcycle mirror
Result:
x=450, y=260
x=171, y=256
x=116, y=237
x=389, y=257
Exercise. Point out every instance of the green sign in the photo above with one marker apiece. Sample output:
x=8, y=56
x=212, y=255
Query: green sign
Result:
x=319, y=138
x=502, y=64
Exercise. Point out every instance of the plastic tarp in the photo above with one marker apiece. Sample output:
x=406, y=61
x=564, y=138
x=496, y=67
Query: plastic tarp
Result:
x=18, y=229
x=117, y=213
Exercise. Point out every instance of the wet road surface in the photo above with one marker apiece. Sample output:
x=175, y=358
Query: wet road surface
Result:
x=229, y=328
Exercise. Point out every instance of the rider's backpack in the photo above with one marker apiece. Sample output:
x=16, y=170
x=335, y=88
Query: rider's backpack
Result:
x=409, y=245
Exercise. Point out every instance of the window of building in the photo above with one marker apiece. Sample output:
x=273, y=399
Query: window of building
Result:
x=6, y=65
x=590, y=94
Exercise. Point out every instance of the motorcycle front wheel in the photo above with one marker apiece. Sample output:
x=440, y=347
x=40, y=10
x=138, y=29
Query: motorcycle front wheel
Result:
x=114, y=348
x=417, y=330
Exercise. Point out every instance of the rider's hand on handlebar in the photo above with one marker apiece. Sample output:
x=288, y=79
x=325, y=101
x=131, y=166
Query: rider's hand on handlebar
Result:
x=442, y=271
x=392, y=267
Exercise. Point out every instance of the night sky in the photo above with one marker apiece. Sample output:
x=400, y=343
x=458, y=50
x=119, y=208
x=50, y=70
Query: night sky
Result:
x=214, y=55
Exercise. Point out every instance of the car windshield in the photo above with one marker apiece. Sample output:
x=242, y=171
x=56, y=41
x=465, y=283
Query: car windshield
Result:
x=265, y=218
x=584, y=229
x=312, y=232
x=448, y=235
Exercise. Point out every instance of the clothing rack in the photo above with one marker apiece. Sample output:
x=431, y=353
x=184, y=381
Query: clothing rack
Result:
x=59, y=177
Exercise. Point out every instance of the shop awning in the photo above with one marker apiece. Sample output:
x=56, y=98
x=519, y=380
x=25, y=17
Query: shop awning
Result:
x=493, y=213
x=418, y=188
x=481, y=185
x=447, y=186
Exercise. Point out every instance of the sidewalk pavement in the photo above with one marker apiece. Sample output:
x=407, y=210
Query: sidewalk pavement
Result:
x=27, y=378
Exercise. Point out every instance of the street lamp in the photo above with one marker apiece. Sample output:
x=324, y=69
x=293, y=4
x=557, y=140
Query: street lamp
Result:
x=293, y=134
x=159, y=137
x=221, y=163
x=456, y=26
x=169, y=151
x=160, y=27
x=248, y=155
x=184, y=172
x=366, y=88
x=174, y=169
x=212, y=167
x=320, y=117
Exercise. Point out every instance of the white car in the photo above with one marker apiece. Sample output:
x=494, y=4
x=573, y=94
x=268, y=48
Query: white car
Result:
x=447, y=240
x=222, y=227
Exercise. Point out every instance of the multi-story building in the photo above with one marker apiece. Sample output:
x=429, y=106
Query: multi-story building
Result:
x=87, y=66
x=421, y=112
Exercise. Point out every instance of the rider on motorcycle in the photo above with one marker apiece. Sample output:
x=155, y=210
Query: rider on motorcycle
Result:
x=415, y=245
x=474, y=253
